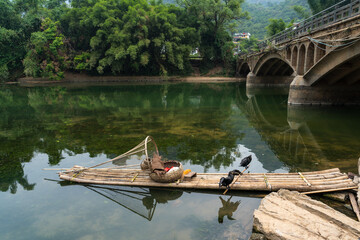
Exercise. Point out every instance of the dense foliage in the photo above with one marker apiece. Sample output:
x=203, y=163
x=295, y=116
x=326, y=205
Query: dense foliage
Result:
x=44, y=38
x=276, y=26
x=319, y=5
x=46, y=57
x=213, y=19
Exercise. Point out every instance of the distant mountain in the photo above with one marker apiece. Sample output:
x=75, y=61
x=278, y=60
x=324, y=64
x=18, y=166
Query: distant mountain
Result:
x=261, y=10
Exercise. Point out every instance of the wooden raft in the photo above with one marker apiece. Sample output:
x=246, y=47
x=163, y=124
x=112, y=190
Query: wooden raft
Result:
x=331, y=179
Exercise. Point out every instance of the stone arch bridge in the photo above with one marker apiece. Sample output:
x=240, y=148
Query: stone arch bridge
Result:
x=319, y=59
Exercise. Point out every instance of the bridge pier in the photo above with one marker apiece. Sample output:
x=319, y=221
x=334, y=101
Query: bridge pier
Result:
x=301, y=93
x=268, y=81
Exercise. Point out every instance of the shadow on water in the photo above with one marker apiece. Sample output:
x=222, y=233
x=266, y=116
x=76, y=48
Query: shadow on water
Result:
x=143, y=201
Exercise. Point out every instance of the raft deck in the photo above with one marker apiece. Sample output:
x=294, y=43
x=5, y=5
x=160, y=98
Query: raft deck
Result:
x=331, y=179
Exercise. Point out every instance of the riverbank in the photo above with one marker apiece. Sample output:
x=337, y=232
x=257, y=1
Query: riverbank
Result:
x=84, y=78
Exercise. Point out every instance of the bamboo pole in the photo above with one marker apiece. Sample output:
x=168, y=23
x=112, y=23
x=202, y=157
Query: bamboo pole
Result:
x=55, y=169
x=354, y=205
x=331, y=170
x=329, y=190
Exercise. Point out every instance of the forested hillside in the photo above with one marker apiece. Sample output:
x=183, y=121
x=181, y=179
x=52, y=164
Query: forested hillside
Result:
x=261, y=11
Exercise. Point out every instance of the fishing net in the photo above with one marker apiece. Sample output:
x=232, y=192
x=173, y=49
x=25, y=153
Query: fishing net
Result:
x=147, y=152
x=143, y=152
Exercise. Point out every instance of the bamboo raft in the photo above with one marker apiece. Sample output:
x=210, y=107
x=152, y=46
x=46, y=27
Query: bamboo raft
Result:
x=324, y=181
x=309, y=182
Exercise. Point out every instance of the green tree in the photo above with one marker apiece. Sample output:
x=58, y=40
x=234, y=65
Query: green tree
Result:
x=47, y=55
x=131, y=37
x=250, y=44
x=302, y=12
x=319, y=5
x=214, y=19
x=276, y=26
x=18, y=20
x=11, y=50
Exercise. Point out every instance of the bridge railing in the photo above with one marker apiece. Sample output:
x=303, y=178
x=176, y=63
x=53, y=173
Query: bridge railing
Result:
x=336, y=13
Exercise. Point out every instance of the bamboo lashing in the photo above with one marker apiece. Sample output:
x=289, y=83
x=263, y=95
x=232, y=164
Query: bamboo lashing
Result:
x=132, y=180
x=267, y=182
x=306, y=181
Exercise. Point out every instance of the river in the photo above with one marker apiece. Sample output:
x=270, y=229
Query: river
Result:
x=209, y=127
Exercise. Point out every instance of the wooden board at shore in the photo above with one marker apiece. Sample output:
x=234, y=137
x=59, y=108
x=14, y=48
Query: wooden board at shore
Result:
x=302, y=182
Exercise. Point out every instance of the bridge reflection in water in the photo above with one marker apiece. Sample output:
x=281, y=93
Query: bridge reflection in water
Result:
x=304, y=138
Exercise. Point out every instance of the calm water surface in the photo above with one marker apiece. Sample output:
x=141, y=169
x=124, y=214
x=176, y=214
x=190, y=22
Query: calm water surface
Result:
x=208, y=127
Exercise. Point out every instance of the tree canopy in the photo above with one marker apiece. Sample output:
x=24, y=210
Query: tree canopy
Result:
x=213, y=19
x=47, y=37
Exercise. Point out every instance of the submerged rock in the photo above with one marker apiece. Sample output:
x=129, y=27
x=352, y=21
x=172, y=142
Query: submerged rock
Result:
x=290, y=215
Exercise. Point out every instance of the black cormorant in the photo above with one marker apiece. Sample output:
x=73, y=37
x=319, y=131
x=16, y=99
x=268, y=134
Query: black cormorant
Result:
x=226, y=181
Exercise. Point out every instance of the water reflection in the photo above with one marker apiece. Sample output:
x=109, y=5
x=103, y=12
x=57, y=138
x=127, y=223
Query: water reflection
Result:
x=191, y=123
x=141, y=201
x=208, y=127
x=228, y=208
x=304, y=138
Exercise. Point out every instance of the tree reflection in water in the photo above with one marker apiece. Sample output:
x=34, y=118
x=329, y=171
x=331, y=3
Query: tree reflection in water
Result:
x=189, y=122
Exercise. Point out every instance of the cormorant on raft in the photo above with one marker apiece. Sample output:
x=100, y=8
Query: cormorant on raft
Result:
x=245, y=162
x=226, y=181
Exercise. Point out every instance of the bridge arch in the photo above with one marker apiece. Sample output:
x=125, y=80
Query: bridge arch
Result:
x=272, y=64
x=337, y=66
x=294, y=55
x=301, y=60
x=244, y=69
x=288, y=54
x=320, y=51
x=310, y=52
